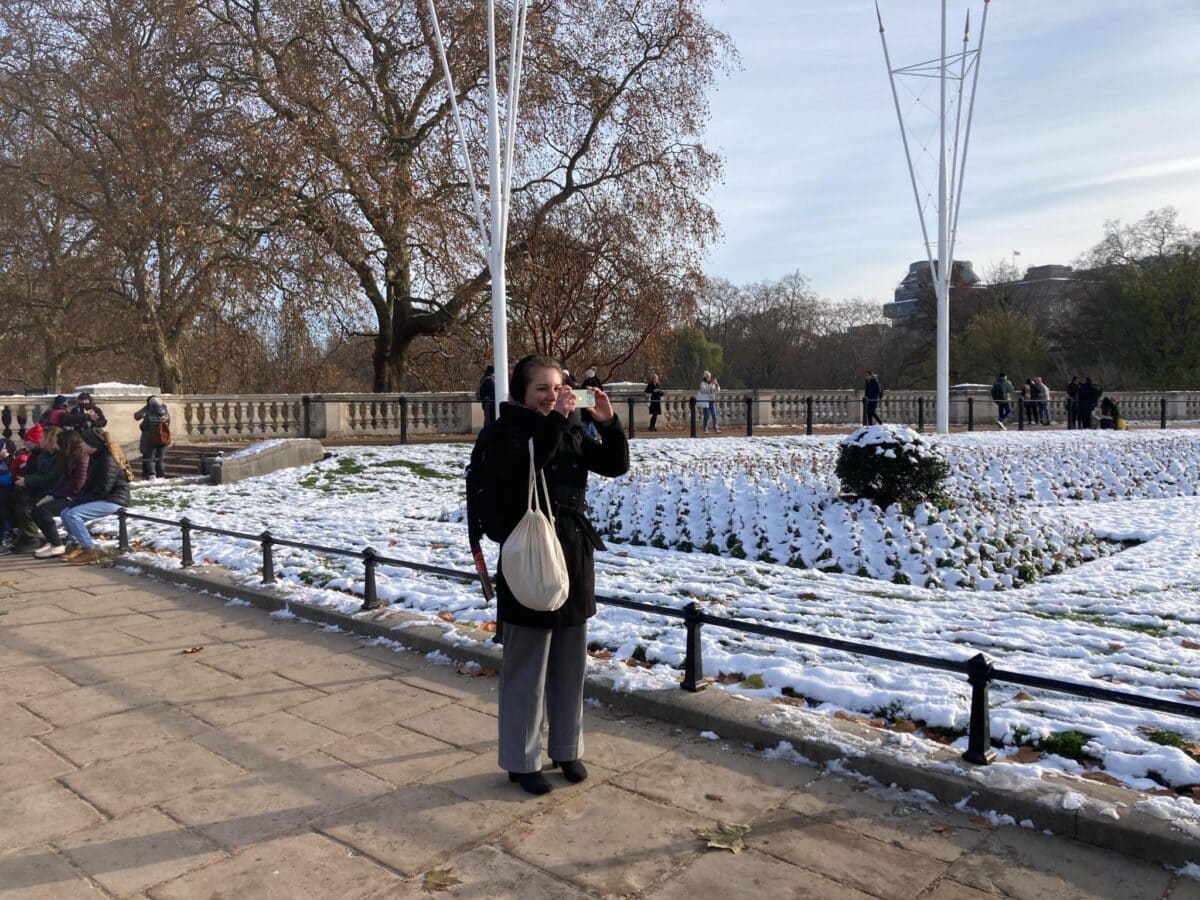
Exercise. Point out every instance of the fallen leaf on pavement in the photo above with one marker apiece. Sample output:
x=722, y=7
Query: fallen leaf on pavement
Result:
x=981, y=822
x=439, y=880
x=788, y=701
x=1193, y=696
x=1114, y=646
x=904, y=726
x=1101, y=777
x=1189, y=645
x=1021, y=696
x=445, y=616
x=600, y=654
x=192, y=650
x=726, y=836
x=730, y=677
x=941, y=828
x=715, y=798
x=488, y=626
x=476, y=671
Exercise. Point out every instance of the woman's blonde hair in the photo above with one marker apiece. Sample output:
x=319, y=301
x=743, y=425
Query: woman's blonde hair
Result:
x=707, y=375
x=49, y=441
x=118, y=454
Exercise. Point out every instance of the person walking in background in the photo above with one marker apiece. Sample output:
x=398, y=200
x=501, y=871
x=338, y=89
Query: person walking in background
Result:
x=1041, y=398
x=706, y=398
x=1002, y=392
x=486, y=394
x=1086, y=398
x=654, y=395
x=1073, y=403
x=545, y=653
x=151, y=445
x=1028, y=402
x=872, y=393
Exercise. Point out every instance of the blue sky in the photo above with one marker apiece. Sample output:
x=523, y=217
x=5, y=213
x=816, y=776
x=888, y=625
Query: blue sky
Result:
x=1087, y=110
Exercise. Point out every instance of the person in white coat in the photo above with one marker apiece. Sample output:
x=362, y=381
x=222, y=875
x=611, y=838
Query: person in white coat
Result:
x=706, y=399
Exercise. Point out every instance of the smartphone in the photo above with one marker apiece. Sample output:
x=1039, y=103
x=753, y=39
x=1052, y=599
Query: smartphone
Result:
x=584, y=399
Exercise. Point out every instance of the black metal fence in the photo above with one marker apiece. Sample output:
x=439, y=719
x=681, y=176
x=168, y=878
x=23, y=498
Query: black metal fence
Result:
x=980, y=670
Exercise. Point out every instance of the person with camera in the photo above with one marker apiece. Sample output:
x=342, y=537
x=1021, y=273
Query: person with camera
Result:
x=545, y=653
x=154, y=422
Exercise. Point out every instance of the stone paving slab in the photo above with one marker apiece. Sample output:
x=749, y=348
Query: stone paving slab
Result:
x=287, y=762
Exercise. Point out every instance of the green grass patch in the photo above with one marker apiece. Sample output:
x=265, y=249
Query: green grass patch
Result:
x=419, y=469
x=753, y=683
x=1069, y=744
x=1169, y=738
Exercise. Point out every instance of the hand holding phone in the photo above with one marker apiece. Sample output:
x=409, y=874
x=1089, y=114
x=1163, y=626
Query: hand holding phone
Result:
x=584, y=398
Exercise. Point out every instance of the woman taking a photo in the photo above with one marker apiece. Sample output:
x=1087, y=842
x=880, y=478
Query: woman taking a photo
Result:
x=153, y=450
x=545, y=653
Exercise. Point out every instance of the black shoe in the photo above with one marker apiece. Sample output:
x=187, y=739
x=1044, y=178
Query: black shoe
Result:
x=531, y=782
x=573, y=770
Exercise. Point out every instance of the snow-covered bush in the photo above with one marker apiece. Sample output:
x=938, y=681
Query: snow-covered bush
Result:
x=889, y=464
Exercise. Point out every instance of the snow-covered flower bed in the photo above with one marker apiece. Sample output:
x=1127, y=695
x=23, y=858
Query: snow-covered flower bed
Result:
x=1128, y=620
x=777, y=500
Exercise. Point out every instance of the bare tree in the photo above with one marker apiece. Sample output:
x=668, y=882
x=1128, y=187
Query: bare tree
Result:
x=349, y=117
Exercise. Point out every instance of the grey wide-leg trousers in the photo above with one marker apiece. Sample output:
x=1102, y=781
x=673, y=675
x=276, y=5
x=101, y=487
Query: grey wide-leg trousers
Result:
x=541, y=673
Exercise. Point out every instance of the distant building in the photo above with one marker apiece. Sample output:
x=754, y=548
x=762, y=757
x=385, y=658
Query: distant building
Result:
x=918, y=282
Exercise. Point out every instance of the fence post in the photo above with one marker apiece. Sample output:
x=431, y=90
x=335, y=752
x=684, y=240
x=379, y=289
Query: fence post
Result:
x=808, y=416
x=306, y=406
x=920, y=414
x=1162, y=412
x=693, y=661
x=268, y=559
x=1021, y=415
x=692, y=406
x=122, y=530
x=629, y=400
x=979, y=737
x=185, y=528
x=970, y=414
x=403, y=420
x=370, y=597
x=749, y=418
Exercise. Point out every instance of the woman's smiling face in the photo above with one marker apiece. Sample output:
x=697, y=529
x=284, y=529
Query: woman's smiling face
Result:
x=543, y=390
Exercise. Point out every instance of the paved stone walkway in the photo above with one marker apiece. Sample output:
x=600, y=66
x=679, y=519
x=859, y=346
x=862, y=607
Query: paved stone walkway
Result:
x=283, y=761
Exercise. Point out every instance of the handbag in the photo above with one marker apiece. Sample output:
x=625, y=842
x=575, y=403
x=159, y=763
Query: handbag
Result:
x=161, y=434
x=531, y=559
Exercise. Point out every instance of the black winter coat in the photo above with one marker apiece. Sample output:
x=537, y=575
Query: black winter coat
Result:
x=79, y=418
x=105, y=481
x=566, y=457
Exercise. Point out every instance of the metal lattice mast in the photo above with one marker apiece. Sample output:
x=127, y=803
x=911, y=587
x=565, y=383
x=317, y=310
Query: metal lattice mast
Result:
x=951, y=163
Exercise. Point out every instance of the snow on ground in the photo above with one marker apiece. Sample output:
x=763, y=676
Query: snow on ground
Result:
x=1060, y=503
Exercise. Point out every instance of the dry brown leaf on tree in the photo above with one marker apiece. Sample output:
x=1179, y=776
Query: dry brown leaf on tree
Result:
x=725, y=836
x=440, y=880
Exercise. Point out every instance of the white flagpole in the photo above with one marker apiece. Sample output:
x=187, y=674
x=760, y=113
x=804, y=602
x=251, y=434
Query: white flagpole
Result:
x=944, y=263
x=496, y=251
x=515, y=61
x=962, y=167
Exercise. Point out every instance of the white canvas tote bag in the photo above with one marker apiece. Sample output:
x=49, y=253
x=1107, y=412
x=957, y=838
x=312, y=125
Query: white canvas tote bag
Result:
x=532, y=558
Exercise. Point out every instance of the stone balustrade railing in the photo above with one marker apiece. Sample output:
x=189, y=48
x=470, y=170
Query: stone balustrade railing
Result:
x=231, y=417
